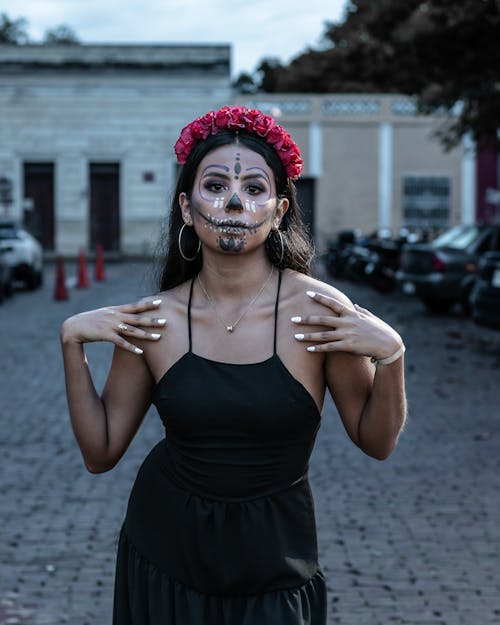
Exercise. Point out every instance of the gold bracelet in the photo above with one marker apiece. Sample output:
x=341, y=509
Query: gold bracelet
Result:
x=390, y=359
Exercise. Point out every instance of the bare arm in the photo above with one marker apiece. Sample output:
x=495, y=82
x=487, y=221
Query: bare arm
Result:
x=370, y=399
x=105, y=425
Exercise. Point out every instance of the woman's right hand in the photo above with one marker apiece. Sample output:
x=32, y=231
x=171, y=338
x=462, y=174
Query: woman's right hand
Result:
x=113, y=324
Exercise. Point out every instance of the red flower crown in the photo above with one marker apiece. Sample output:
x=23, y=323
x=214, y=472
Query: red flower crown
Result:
x=241, y=118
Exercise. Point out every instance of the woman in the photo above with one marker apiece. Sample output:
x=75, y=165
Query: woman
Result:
x=236, y=353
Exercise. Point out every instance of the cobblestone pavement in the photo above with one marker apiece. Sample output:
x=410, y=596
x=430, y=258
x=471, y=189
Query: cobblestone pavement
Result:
x=413, y=540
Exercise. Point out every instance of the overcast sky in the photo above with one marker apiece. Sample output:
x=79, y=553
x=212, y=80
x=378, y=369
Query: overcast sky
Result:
x=254, y=28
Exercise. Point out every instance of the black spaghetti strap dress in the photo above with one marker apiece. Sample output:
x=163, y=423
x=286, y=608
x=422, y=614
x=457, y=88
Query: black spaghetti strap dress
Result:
x=220, y=526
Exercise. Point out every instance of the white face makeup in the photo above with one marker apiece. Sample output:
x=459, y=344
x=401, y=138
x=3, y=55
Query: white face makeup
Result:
x=249, y=205
x=234, y=195
x=216, y=184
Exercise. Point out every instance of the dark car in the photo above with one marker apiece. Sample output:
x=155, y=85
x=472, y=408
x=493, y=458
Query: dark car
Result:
x=485, y=297
x=5, y=274
x=443, y=272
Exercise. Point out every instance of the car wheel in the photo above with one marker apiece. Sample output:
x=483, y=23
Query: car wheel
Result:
x=465, y=301
x=34, y=280
x=438, y=305
x=8, y=289
x=382, y=283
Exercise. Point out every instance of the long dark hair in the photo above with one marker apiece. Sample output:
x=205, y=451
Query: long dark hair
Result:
x=297, y=247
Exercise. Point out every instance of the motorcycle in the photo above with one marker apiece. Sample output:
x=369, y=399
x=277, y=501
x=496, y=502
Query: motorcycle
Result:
x=373, y=259
x=383, y=265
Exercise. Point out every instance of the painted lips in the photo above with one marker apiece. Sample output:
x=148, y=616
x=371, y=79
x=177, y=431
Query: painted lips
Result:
x=231, y=226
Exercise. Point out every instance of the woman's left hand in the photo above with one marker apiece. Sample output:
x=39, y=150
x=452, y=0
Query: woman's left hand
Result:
x=355, y=330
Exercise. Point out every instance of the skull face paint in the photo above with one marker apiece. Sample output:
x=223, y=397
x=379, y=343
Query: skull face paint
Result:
x=250, y=206
x=234, y=203
x=234, y=197
x=237, y=166
x=215, y=186
x=230, y=244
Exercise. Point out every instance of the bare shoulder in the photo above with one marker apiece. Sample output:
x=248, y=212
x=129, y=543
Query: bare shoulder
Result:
x=299, y=284
x=173, y=342
x=171, y=301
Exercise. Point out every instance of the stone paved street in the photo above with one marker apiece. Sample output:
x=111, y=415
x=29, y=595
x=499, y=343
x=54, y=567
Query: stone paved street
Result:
x=414, y=540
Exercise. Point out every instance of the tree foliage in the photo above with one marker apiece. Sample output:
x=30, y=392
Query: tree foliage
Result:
x=62, y=35
x=443, y=52
x=13, y=31
x=245, y=83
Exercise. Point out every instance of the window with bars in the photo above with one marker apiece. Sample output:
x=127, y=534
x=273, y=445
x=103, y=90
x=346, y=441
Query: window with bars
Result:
x=426, y=201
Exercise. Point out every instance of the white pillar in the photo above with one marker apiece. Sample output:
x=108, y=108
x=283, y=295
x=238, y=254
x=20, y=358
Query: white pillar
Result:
x=468, y=181
x=385, y=151
x=315, y=149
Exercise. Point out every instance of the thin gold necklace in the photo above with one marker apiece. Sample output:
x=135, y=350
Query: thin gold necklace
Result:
x=230, y=327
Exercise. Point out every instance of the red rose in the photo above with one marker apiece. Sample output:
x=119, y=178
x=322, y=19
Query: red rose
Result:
x=199, y=129
x=263, y=124
x=275, y=137
x=208, y=118
x=249, y=118
x=184, y=144
x=289, y=154
x=186, y=136
x=293, y=169
x=222, y=118
x=237, y=117
x=180, y=151
x=208, y=121
x=238, y=111
x=287, y=142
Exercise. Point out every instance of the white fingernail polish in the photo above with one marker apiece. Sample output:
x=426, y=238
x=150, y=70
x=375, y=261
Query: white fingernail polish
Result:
x=296, y=319
x=161, y=321
x=155, y=336
x=311, y=348
x=156, y=302
x=310, y=293
x=299, y=337
x=138, y=350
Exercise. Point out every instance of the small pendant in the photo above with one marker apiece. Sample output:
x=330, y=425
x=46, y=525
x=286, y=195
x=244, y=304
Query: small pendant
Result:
x=229, y=328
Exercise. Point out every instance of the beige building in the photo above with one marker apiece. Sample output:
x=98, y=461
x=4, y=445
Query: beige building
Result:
x=370, y=162
x=87, y=134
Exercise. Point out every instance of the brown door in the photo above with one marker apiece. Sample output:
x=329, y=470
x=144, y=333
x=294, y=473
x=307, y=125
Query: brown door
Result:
x=39, y=188
x=105, y=206
x=305, y=197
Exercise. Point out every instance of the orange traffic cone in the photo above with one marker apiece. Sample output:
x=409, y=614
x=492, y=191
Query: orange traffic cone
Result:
x=99, y=274
x=83, y=279
x=60, y=291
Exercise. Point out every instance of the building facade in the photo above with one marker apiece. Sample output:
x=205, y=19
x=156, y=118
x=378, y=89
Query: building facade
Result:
x=87, y=135
x=372, y=163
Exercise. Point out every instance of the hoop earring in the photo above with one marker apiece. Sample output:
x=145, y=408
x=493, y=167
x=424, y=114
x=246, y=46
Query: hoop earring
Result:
x=179, y=240
x=282, y=255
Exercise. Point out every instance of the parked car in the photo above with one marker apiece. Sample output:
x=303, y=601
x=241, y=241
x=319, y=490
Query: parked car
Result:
x=5, y=274
x=442, y=273
x=485, y=297
x=22, y=253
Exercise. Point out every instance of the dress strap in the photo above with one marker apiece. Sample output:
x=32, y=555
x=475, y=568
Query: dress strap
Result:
x=276, y=311
x=189, y=312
